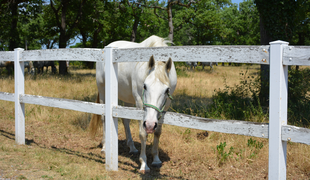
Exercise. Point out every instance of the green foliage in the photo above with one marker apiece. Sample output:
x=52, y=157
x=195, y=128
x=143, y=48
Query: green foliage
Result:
x=240, y=25
x=240, y=102
x=284, y=19
x=255, y=147
x=255, y=144
x=222, y=155
x=186, y=135
x=15, y=20
x=298, y=97
x=181, y=72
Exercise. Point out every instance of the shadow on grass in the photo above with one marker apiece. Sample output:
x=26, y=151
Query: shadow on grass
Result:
x=99, y=158
x=190, y=105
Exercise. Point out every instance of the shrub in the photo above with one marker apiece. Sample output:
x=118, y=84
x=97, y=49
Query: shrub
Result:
x=240, y=102
x=298, y=97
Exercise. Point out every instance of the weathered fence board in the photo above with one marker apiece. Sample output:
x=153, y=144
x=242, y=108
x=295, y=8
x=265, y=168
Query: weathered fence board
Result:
x=7, y=56
x=7, y=96
x=73, y=54
x=295, y=134
x=235, y=54
x=75, y=105
x=296, y=55
x=246, y=128
x=182, y=120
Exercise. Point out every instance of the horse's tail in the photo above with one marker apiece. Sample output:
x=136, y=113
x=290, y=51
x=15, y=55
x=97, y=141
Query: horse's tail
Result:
x=95, y=122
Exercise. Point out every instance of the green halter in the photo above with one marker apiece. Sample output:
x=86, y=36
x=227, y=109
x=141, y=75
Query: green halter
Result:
x=154, y=107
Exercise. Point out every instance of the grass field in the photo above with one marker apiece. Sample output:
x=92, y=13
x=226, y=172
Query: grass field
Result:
x=58, y=145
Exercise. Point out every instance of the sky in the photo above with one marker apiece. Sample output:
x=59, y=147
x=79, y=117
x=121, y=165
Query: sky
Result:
x=236, y=1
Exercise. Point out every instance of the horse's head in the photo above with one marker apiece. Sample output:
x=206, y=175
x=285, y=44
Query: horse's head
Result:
x=156, y=91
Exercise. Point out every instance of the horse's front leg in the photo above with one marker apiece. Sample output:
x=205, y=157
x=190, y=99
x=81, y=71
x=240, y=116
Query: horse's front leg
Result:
x=143, y=136
x=156, y=161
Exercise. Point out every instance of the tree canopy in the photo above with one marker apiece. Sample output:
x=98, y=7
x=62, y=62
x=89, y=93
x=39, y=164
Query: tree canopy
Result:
x=36, y=24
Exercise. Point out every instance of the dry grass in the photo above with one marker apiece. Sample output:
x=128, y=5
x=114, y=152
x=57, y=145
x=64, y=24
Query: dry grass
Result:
x=58, y=145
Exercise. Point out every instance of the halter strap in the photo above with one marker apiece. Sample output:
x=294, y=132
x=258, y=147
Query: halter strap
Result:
x=154, y=107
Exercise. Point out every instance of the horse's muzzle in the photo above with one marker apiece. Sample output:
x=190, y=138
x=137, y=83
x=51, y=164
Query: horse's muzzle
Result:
x=149, y=127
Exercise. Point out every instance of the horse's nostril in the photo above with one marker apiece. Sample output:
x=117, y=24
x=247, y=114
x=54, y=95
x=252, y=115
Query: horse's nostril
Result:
x=144, y=125
x=155, y=126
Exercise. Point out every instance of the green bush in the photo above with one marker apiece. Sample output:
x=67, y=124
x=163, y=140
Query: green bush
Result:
x=299, y=97
x=240, y=102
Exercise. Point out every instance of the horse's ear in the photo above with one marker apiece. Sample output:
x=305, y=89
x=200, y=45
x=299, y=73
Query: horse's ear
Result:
x=151, y=62
x=169, y=65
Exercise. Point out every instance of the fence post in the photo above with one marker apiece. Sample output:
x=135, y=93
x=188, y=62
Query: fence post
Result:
x=19, y=89
x=277, y=110
x=111, y=99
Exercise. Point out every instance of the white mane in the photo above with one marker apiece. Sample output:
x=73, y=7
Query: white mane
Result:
x=155, y=41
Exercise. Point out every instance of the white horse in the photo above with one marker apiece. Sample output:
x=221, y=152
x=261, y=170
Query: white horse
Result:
x=148, y=85
x=191, y=64
x=208, y=64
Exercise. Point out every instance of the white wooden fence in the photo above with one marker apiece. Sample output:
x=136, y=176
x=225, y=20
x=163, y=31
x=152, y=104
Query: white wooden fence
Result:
x=278, y=55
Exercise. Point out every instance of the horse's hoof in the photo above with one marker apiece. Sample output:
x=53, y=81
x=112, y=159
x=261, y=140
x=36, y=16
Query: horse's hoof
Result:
x=156, y=165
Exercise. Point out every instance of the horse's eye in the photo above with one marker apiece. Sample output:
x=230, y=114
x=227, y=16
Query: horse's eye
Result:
x=168, y=90
x=144, y=86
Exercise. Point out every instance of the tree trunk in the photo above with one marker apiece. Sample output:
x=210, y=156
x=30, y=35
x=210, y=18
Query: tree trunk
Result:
x=90, y=65
x=170, y=36
x=62, y=38
x=265, y=69
x=134, y=28
x=84, y=38
x=14, y=36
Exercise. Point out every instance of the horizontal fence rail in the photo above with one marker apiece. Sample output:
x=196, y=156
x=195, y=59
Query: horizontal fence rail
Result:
x=246, y=128
x=6, y=55
x=7, y=96
x=75, y=105
x=278, y=56
x=292, y=55
x=235, y=54
x=296, y=55
x=76, y=54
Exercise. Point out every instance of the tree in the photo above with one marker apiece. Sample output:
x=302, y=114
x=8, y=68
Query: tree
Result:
x=67, y=16
x=167, y=7
x=240, y=25
x=15, y=16
x=278, y=21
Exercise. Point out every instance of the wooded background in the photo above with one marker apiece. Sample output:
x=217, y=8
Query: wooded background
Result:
x=37, y=24
x=33, y=24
